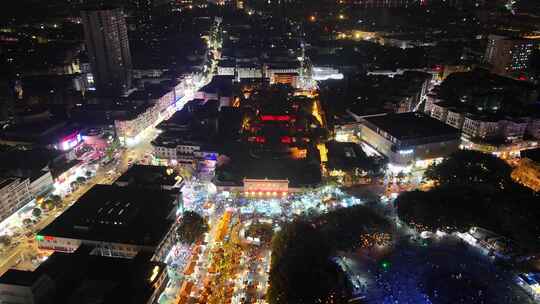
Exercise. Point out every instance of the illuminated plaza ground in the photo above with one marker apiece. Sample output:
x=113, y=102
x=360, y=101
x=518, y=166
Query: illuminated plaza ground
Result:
x=442, y=269
x=442, y=272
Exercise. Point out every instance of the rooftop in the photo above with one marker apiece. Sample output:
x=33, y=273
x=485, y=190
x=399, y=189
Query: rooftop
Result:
x=44, y=132
x=148, y=177
x=6, y=181
x=24, y=163
x=117, y=214
x=410, y=125
x=19, y=278
x=153, y=91
x=80, y=274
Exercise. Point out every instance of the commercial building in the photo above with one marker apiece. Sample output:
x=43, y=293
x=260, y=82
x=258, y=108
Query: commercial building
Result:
x=377, y=93
x=265, y=187
x=146, y=107
x=14, y=193
x=117, y=221
x=408, y=137
x=74, y=277
x=495, y=114
x=508, y=56
x=130, y=127
x=41, y=183
x=152, y=177
x=502, y=135
x=188, y=135
x=108, y=49
x=51, y=134
x=32, y=165
x=181, y=150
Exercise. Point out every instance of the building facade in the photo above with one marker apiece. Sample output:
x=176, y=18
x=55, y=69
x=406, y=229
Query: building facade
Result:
x=508, y=56
x=108, y=49
x=41, y=184
x=409, y=137
x=129, y=129
x=265, y=187
x=14, y=193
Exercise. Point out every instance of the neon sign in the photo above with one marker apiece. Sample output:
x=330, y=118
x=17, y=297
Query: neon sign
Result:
x=275, y=117
x=70, y=141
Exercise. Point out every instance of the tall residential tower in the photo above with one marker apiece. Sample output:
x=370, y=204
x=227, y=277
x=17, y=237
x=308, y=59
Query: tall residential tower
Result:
x=108, y=49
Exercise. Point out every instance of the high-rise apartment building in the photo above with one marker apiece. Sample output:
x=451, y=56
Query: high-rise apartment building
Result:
x=508, y=55
x=108, y=49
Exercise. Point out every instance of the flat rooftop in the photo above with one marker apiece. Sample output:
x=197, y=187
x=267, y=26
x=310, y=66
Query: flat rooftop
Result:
x=410, y=125
x=106, y=213
x=148, y=176
x=81, y=278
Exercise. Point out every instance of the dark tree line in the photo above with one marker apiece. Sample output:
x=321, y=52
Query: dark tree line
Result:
x=302, y=270
x=192, y=227
x=474, y=189
x=471, y=167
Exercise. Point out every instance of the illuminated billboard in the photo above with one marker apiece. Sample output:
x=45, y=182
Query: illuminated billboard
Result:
x=70, y=141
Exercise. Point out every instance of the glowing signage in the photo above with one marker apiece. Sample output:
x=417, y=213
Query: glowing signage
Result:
x=154, y=274
x=70, y=141
x=286, y=139
x=211, y=156
x=275, y=118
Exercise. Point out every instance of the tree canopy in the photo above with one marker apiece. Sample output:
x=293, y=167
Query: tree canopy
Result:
x=36, y=212
x=5, y=240
x=302, y=270
x=473, y=189
x=191, y=228
x=466, y=167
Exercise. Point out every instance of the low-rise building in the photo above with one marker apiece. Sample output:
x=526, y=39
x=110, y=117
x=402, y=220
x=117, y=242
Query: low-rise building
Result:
x=129, y=128
x=117, y=221
x=32, y=165
x=181, y=151
x=152, y=177
x=408, y=137
x=41, y=183
x=248, y=71
x=484, y=127
x=455, y=118
x=439, y=111
x=14, y=193
x=480, y=127
x=265, y=187
x=47, y=133
x=71, y=277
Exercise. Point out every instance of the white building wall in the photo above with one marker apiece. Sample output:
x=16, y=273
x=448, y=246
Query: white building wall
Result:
x=455, y=119
x=14, y=195
x=42, y=184
x=439, y=112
